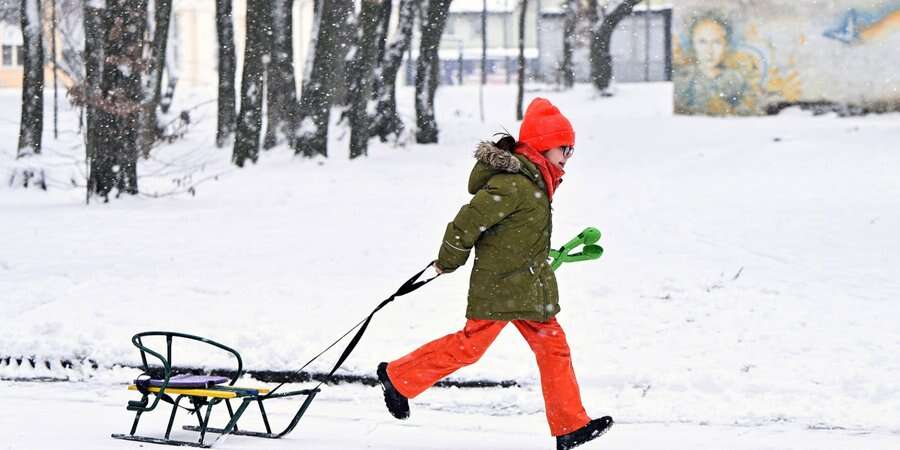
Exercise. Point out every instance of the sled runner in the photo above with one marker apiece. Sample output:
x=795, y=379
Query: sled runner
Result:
x=202, y=393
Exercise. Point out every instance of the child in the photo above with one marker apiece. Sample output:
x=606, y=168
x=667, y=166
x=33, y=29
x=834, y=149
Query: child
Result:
x=508, y=223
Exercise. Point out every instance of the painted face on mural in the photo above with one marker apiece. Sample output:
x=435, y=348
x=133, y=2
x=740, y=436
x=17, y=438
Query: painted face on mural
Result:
x=709, y=42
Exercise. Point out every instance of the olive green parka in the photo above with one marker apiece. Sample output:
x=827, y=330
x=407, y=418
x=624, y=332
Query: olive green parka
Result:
x=508, y=223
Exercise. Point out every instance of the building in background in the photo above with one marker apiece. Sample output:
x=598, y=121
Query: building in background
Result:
x=196, y=48
x=193, y=46
x=12, y=58
x=640, y=46
x=461, y=44
x=460, y=52
x=12, y=50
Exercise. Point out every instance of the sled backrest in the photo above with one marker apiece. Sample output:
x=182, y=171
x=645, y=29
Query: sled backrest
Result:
x=166, y=362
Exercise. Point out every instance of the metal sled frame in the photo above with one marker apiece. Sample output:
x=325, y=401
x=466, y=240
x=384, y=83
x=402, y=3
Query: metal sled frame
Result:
x=207, y=397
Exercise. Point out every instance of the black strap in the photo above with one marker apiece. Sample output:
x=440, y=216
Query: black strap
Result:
x=409, y=286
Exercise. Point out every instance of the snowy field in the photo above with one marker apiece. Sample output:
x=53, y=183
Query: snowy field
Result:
x=84, y=414
x=748, y=296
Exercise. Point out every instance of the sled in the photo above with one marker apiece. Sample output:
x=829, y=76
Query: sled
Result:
x=202, y=393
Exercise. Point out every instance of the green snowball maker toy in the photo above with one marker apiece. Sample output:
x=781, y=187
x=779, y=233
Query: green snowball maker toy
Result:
x=588, y=238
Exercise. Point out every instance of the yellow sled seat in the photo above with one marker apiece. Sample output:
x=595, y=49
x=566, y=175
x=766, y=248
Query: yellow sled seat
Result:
x=216, y=392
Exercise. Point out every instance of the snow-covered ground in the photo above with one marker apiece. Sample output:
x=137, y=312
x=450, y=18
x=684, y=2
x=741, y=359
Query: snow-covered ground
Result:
x=82, y=416
x=748, y=296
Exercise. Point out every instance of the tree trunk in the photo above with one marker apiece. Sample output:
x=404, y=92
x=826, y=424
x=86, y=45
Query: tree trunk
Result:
x=31, y=127
x=225, y=122
x=249, y=123
x=427, y=71
x=361, y=76
x=601, y=59
x=386, y=121
x=115, y=161
x=172, y=75
x=94, y=23
x=53, y=59
x=568, y=69
x=344, y=62
x=381, y=33
x=346, y=35
x=483, y=60
x=281, y=87
x=150, y=129
x=311, y=129
x=484, y=11
x=313, y=41
x=520, y=97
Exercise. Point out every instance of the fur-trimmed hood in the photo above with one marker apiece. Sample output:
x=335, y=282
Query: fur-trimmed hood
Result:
x=493, y=160
x=497, y=158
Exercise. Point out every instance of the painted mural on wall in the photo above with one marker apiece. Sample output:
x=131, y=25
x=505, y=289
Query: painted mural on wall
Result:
x=744, y=57
x=721, y=71
x=860, y=27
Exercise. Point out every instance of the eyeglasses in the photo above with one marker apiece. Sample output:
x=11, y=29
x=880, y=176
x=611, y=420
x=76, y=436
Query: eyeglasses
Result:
x=568, y=150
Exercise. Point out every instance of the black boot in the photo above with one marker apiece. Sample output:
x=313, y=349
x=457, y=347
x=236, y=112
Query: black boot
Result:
x=396, y=403
x=592, y=430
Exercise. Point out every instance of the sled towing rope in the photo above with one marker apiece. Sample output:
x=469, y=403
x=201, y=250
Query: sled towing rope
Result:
x=209, y=390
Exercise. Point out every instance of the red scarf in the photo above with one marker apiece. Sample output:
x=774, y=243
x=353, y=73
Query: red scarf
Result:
x=552, y=175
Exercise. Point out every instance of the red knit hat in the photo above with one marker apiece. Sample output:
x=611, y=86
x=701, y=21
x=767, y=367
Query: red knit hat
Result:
x=544, y=127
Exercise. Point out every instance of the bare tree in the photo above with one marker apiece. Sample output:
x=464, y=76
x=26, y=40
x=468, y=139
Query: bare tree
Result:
x=484, y=10
x=114, y=165
x=171, y=69
x=55, y=66
x=249, y=123
x=94, y=22
x=567, y=68
x=225, y=119
x=70, y=29
x=150, y=129
x=346, y=35
x=601, y=36
x=360, y=74
x=381, y=35
x=386, y=122
x=31, y=126
x=281, y=87
x=427, y=70
x=319, y=83
x=521, y=93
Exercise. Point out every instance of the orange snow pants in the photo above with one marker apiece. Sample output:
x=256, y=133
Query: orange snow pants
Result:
x=414, y=373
